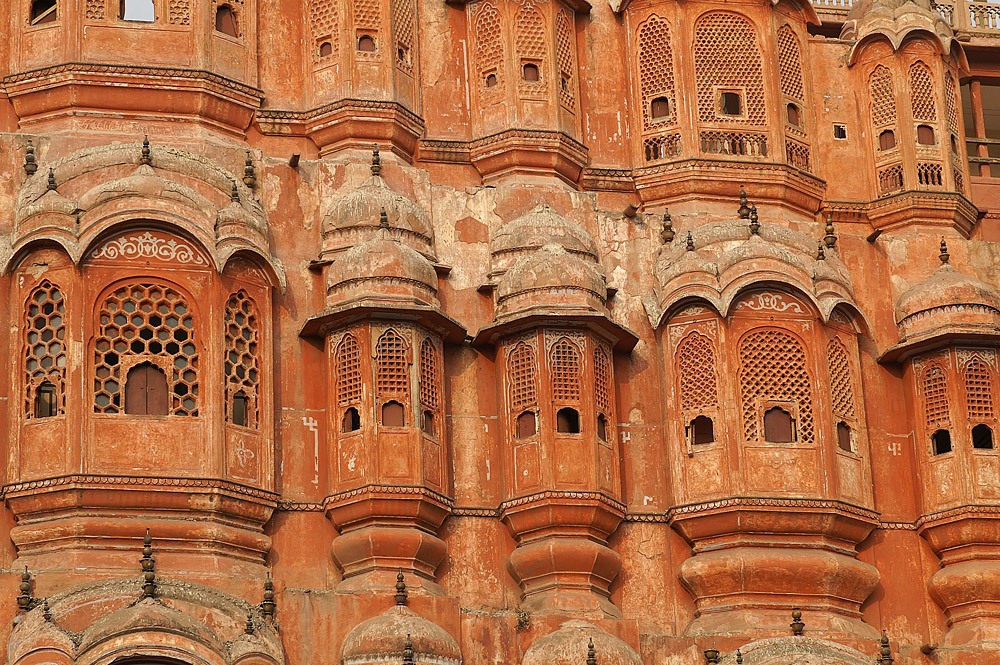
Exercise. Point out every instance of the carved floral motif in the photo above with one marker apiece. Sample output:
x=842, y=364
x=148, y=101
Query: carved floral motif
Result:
x=148, y=246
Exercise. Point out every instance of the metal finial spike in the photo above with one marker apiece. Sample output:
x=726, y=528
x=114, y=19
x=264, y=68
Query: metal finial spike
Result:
x=148, y=565
x=52, y=180
x=376, y=160
x=249, y=628
x=249, y=175
x=711, y=656
x=267, y=606
x=408, y=650
x=944, y=255
x=30, y=165
x=401, y=595
x=591, y=652
x=46, y=614
x=831, y=237
x=754, y=224
x=146, y=157
x=797, y=626
x=667, y=233
x=885, y=651
x=821, y=251
x=24, y=599
x=690, y=243
x=739, y=657
x=234, y=195
x=744, y=210
x=383, y=219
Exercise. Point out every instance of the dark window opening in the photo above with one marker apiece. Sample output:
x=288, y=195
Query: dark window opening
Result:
x=225, y=21
x=403, y=55
x=982, y=437
x=794, y=116
x=941, y=442
x=840, y=131
x=702, y=430
x=351, y=422
x=491, y=80
x=731, y=104
x=43, y=11
x=45, y=401
x=602, y=427
x=925, y=135
x=146, y=391
x=529, y=72
x=564, y=82
x=325, y=49
x=240, y=404
x=392, y=415
x=887, y=140
x=366, y=44
x=428, y=423
x=568, y=421
x=778, y=426
x=954, y=144
x=137, y=10
x=844, y=437
x=660, y=108
x=526, y=425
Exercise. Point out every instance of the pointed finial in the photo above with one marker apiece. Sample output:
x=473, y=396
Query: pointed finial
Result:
x=944, y=255
x=711, y=656
x=797, y=626
x=667, y=233
x=383, y=219
x=376, y=160
x=408, y=650
x=249, y=175
x=690, y=243
x=267, y=606
x=146, y=157
x=30, y=165
x=249, y=628
x=24, y=599
x=821, y=251
x=52, y=180
x=831, y=237
x=148, y=564
x=884, y=651
x=739, y=657
x=401, y=596
x=744, y=210
x=234, y=195
x=46, y=614
x=754, y=224
x=591, y=653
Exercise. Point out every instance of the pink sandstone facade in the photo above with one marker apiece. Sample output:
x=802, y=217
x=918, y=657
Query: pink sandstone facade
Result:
x=489, y=332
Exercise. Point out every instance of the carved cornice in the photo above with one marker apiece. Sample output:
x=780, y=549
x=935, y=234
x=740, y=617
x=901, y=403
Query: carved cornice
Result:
x=818, y=505
x=563, y=496
x=607, y=180
x=293, y=116
x=289, y=506
x=398, y=490
x=976, y=511
x=140, y=482
x=444, y=152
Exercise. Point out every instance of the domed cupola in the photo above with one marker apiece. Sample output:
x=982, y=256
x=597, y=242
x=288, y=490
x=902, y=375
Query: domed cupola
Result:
x=580, y=642
x=382, y=269
x=533, y=229
x=945, y=305
x=400, y=634
x=551, y=279
x=895, y=20
x=352, y=219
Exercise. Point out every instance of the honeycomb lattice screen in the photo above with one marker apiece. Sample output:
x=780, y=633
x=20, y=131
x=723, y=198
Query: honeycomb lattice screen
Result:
x=430, y=382
x=696, y=367
x=656, y=69
x=790, y=64
x=529, y=32
x=773, y=367
x=392, y=367
x=95, y=10
x=565, y=60
x=564, y=358
x=180, y=12
x=883, y=99
x=367, y=15
x=602, y=381
x=841, y=380
x=324, y=21
x=522, y=376
x=348, y=367
x=489, y=48
x=153, y=322
x=727, y=55
x=922, y=98
x=402, y=29
x=951, y=103
x=242, y=359
x=45, y=345
x=935, y=394
x=978, y=391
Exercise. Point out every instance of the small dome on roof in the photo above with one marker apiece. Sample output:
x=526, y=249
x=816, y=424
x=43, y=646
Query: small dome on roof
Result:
x=399, y=270
x=895, y=20
x=569, y=645
x=534, y=229
x=359, y=207
x=148, y=614
x=552, y=277
x=383, y=638
x=946, y=287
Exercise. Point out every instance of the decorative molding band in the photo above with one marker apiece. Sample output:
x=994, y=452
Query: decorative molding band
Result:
x=444, y=152
x=412, y=490
x=469, y=511
x=961, y=512
x=138, y=482
x=608, y=180
x=147, y=246
x=287, y=115
x=773, y=502
x=564, y=496
x=289, y=506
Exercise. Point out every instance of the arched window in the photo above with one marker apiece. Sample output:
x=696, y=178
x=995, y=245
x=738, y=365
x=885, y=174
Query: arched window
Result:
x=790, y=65
x=348, y=367
x=568, y=421
x=225, y=21
x=727, y=55
x=242, y=360
x=941, y=442
x=883, y=98
x=564, y=358
x=602, y=391
x=982, y=437
x=923, y=100
x=925, y=135
x=773, y=369
x=351, y=422
x=659, y=108
x=325, y=49
x=529, y=72
x=44, y=352
x=526, y=425
x=935, y=398
x=146, y=391
x=392, y=377
x=146, y=321
x=366, y=44
x=402, y=30
x=702, y=430
x=324, y=20
x=565, y=59
x=522, y=373
x=489, y=46
x=696, y=373
x=42, y=11
x=393, y=414
x=427, y=424
x=656, y=71
x=430, y=386
x=778, y=425
x=845, y=437
x=886, y=140
x=137, y=10
x=793, y=115
x=602, y=427
x=530, y=40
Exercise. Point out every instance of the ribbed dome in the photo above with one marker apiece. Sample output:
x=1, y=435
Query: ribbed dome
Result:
x=568, y=646
x=946, y=287
x=534, y=229
x=360, y=207
x=382, y=267
x=895, y=20
x=383, y=638
x=552, y=276
x=149, y=614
